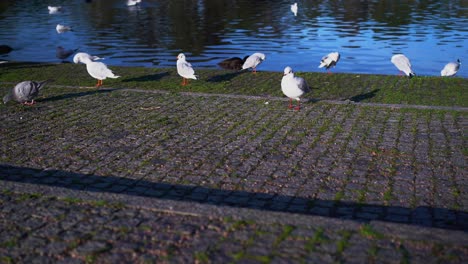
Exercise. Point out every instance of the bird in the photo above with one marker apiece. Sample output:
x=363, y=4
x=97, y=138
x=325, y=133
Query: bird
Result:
x=80, y=56
x=25, y=92
x=403, y=64
x=62, y=53
x=185, y=69
x=451, y=68
x=62, y=29
x=293, y=87
x=329, y=61
x=253, y=61
x=294, y=9
x=97, y=70
x=133, y=2
x=4, y=49
x=54, y=9
x=234, y=63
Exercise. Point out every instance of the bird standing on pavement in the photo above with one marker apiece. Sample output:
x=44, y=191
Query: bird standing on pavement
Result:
x=25, y=92
x=329, y=61
x=293, y=87
x=403, y=64
x=253, y=61
x=97, y=70
x=451, y=68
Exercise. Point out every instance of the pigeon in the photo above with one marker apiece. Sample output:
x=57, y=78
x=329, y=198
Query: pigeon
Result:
x=133, y=2
x=329, y=61
x=234, y=63
x=253, y=61
x=403, y=64
x=62, y=53
x=25, y=92
x=451, y=68
x=294, y=9
x=80, y=56
x=293, y=87
x=97, y=70
x=185, y=69
x=54, y=9
x=62, y=29
x=4, y=49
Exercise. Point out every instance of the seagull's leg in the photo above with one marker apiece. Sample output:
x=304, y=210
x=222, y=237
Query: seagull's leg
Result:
x=290, y=103
x=184, y=81
x=298, y=106
x=29, y=103
x=254, y=70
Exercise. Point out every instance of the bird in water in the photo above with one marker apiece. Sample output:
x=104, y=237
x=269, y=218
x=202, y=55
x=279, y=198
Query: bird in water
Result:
x=62, y=28
x=25, y=92
x=253, y=61
x=184, y=69
x=329, y=61
x=234, y=63
x=4, y=49
x=62, y=53
x=133, y=2
x=294, y=9
x=293, y=87
x=403, y=64
x=451, y=68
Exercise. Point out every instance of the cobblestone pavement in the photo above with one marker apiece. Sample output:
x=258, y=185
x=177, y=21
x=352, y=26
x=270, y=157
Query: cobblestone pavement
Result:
x=122, y=175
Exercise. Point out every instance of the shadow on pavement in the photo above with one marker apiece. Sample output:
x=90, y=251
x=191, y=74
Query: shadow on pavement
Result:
x=419, y=216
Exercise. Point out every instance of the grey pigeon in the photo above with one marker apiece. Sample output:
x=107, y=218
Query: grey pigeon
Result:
x=63, y=53
x=25, y=92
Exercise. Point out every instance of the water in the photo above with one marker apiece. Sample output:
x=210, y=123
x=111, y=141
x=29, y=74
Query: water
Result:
x=366, y=33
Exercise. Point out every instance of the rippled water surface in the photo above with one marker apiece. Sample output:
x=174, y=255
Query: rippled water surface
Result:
x=366, y=33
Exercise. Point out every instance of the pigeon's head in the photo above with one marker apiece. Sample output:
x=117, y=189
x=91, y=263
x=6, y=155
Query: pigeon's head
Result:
x=7, y=98
x=181, y=56
x=287, y=70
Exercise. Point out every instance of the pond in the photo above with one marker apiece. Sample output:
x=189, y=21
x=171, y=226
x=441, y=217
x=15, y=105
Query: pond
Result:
x=366, y=33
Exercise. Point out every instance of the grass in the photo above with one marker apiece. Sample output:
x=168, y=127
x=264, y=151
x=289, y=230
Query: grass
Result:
x=360, y=88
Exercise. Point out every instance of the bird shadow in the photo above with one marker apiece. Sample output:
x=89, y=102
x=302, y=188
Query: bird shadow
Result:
x=74, y=95
x=148, y=78
x=364, y=96
x=21, y=65
x=225, y=77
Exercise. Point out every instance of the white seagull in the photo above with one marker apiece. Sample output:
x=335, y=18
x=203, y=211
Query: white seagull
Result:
x=133, y=2
x=81, y=56
x=54, y=9
x=185, y=69
x=294, y=9
x=253, y=61
x=61, y=28
x=403, y=64
x=451, y=68
x=329, y=61
x=97, y=70
x=293, y=87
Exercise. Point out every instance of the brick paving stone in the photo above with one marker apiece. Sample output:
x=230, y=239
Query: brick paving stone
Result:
x=351, y=161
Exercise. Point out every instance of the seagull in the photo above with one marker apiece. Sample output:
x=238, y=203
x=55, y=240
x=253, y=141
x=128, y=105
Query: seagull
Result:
x=293, y=87
x=403, y=64
x=329, y=61
x=25, y=92
x=62, y=29
x=97, y=70
x=294, y=9
x=62, y=53
x=451, y=68
x=185, y=69
x=80, y=56
x=234, y=63
x=54, y=9
x=253, y=61
x=133, y=2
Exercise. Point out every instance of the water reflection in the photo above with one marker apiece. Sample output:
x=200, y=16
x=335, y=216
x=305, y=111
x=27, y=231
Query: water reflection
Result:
x=367, y=33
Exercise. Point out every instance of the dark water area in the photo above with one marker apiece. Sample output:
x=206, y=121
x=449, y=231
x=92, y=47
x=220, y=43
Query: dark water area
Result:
x=366, y=33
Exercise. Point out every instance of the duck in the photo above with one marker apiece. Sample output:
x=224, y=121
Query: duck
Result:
x=293, y=87
x=62, y=53
x=451, y=68
x=253, y=61
x=54, y=9
x=403, y=64
x=184, y=69
x=133, y=2
x=234, y=63
x=329, y=61
x=62, y=28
